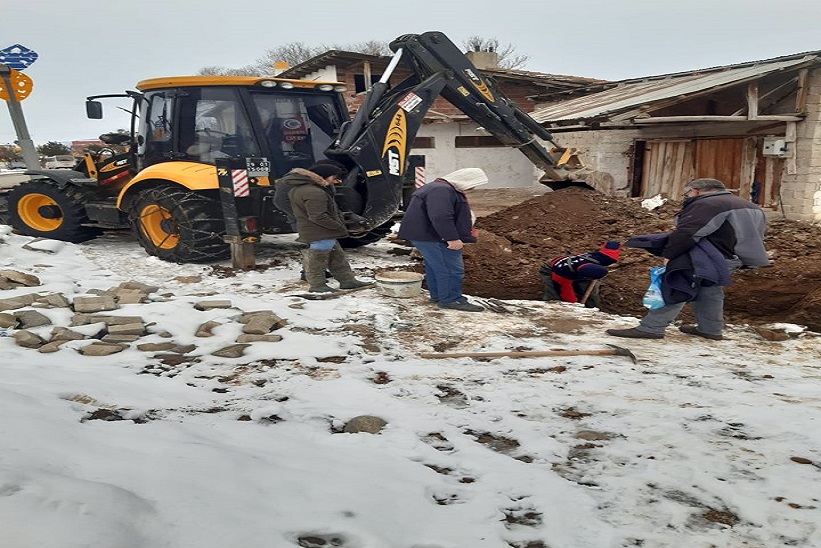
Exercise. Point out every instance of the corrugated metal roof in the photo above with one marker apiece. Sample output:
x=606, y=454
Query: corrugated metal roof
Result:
x=620, y=102
x=551, y=82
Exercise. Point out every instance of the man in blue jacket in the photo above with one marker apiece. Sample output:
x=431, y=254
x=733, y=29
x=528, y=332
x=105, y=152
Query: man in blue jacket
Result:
x=438, y=222
x=735, y=228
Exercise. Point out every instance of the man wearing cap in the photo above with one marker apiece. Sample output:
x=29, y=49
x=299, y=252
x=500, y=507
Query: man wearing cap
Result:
x=438, y=222
x=712, y=222
x=319, y=224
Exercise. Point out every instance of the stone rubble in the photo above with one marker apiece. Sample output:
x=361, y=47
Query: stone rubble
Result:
x=117, y=333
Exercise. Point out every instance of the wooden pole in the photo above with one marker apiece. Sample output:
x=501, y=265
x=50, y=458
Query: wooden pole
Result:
x=589, y=291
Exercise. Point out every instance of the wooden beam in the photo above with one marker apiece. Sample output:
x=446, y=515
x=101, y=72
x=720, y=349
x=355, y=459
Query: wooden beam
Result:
x=801, y=91
x=752, y=100
x=674, y=119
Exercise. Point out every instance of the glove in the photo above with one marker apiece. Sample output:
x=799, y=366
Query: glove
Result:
x=354, y=222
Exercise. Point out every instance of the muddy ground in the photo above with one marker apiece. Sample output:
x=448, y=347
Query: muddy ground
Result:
x=515, y=241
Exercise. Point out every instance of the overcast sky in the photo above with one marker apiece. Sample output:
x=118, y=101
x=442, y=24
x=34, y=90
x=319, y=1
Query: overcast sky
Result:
x=89, y=47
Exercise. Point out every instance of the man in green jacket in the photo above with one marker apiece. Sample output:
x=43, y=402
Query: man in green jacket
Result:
x=319, y=224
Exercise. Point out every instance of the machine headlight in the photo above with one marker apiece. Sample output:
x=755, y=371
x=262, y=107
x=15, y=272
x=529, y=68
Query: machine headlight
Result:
x=340, y=88
x=268, y=83
x=286, y=85
x=325, y=87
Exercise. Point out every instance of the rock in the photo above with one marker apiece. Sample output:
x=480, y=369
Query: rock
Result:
x=233, y=351
x=101, y=349
x=364, y=423
x=85, y=319
x=94, y=304
x=31, y=318
x=184, y=348
x=130, y=296
x=27, y=339
x=120, y=338
x=772, y=334
x=137, y=328
x=56, y=300
x=141, y=287
x=210, y=305
x=156, y=347
x=205, y=329
x=65, y=334
x=261, y=321
x=17, y=302
x=21, y=278
x=7, y=320
x=52, y=346
x=5, y=285
x=188, y=279
x=250, y=338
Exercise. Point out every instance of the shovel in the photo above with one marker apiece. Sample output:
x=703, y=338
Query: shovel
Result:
x=612, y=351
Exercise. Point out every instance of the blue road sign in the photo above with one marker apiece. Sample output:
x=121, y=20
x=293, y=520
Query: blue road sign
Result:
x=17, y=57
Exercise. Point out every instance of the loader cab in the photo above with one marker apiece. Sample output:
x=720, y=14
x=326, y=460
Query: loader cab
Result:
x=202, y=119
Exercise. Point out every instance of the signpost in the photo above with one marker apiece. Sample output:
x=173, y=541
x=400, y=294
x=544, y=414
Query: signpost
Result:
x=14, y=87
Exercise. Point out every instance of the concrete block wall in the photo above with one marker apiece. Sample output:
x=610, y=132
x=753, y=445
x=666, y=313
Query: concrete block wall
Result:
x=801, y=186
x=606, y=153
x=505, y=167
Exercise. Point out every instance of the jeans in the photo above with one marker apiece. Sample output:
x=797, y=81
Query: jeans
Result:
x=444, y=271
x=708, y=309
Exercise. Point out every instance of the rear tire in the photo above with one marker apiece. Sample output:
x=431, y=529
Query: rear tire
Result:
x=41, y=208
x=373, y=236
x=179, y=225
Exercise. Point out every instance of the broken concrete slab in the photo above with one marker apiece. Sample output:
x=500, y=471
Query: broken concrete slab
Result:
x=84, y=319
x=56, y=300
x=136, y=328
x=119, y=338
x=7, y=320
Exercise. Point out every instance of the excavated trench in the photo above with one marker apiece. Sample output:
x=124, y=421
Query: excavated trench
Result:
x=515, y=241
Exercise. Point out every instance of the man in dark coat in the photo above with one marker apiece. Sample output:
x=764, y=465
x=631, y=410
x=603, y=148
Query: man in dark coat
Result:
x=438, y=222
x=735, y=228
x=319, y=224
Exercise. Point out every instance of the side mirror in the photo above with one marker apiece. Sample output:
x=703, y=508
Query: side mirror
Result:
x=94, y=110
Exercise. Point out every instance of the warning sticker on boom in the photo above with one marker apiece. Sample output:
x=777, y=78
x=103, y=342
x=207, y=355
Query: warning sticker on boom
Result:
x=410, y=102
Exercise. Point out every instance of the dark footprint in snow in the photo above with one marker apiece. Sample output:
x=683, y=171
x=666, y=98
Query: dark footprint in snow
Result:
x=320, y=541
x=438, y=442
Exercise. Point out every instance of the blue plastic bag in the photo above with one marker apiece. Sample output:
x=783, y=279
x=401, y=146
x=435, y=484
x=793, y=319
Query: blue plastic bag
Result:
x=652, y=297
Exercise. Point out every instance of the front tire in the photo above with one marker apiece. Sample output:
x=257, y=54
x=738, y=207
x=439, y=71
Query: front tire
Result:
x=179, y=225
x=41, y=208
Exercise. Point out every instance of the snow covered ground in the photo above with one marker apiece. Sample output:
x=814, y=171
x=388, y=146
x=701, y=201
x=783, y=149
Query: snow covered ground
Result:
x=699, y=444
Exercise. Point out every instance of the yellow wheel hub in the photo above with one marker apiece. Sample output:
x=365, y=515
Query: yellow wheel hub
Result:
x=157, y=224
x=40, y=212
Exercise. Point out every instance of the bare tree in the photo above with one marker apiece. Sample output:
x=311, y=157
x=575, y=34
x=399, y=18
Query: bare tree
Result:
x=508, y=58
x=371, y=47
x=215, y=70
x=293, y=53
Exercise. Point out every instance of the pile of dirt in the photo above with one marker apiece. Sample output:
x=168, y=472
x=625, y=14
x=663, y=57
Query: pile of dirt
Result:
x=514, y=242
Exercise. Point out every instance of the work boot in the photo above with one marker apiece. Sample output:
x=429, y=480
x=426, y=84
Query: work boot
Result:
x=462, y=305
x=314, y=263
x=341, y=270
x=634, y=333
x=693, y=330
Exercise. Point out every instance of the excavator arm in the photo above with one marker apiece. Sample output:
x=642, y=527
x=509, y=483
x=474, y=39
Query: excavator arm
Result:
x=376, y=143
